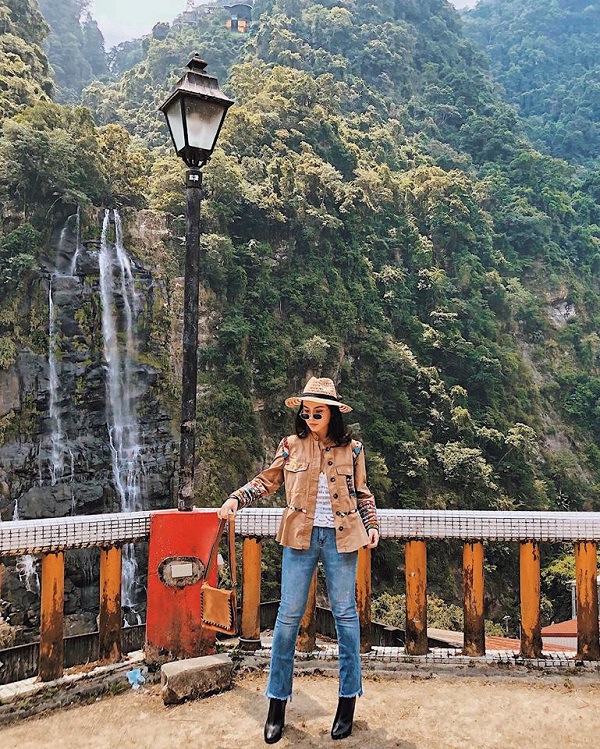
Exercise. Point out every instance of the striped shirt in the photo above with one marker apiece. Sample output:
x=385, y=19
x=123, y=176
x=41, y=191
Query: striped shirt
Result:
x=323, y=509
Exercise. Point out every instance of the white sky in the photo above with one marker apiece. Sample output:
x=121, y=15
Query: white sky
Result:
x=121, y=20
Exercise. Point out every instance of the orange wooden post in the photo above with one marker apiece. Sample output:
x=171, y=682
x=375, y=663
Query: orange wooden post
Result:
x=474, y=628
x=363, y=598
x=531, y=627
x=416, y=597
x=109, y=621
x=51, y=621
x=586, y=575
x=307, y=636
x=251, y=569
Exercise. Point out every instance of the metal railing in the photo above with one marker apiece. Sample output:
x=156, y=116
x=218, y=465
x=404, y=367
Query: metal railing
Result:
x=84, y=531
x=52, y=537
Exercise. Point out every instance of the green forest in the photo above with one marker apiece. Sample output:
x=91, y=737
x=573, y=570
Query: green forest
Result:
x=386, y=206
x=544, y=53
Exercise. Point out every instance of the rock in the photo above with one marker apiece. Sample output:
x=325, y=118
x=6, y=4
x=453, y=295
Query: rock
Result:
x=79, y=624
x=195, y=677
x=10, y=396
x=46, y=502
x=561, y=311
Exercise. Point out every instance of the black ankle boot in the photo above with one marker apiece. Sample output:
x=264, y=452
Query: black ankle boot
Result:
x=275, y=720
x=342, y=724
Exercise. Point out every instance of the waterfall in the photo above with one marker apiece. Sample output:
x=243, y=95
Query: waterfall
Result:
x=56, y=437
x=26, y=565
x=73, y=267
x=58, y=444
x=121, y=417
x=65, y=266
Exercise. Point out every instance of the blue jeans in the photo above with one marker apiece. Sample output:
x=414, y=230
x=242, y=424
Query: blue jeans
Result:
x=297, y=570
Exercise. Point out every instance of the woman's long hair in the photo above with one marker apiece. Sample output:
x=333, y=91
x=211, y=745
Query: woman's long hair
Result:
x=337, y=429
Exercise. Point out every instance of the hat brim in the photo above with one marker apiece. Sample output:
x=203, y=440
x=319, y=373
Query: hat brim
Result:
x=295, y=401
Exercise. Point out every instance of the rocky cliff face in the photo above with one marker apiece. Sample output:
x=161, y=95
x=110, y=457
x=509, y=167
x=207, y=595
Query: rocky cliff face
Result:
x=57, y=456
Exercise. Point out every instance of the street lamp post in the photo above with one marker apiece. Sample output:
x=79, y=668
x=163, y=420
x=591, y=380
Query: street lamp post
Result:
x=194, y=112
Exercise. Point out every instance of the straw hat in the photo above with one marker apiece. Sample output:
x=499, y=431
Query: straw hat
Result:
x=319, y=390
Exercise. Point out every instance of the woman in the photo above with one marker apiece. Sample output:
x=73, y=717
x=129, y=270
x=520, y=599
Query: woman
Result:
x=330, y=514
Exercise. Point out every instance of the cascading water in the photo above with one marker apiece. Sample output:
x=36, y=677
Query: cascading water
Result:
x=59, y=447
x=26, y=565
x=57, y=437
x=73, y=266
x=123, y=426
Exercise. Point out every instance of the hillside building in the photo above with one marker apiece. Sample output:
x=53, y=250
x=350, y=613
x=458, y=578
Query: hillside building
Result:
x=239, y=13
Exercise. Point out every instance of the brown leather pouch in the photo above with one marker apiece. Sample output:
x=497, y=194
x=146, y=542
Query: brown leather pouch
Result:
x=218, y=606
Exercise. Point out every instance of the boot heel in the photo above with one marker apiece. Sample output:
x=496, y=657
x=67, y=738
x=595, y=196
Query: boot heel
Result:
x=275, y=720
x=344, y=717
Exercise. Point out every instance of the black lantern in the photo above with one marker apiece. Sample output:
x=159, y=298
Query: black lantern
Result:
x=195, y=112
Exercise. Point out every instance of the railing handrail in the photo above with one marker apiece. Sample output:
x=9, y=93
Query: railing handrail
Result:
x=75, y=532
x=83, y=531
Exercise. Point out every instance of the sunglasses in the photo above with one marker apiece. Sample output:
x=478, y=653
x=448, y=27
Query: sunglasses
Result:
x=306, y=416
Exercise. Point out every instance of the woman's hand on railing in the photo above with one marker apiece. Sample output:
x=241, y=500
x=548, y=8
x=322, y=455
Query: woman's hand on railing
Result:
x=373, y=538
x=228, y=508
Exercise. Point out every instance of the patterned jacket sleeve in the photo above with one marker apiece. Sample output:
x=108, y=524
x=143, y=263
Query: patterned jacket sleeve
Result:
x=267, y=481
x=365, y=500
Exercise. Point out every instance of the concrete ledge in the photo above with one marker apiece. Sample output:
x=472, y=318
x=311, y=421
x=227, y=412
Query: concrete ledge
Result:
x=195, y=677
x=23, y=699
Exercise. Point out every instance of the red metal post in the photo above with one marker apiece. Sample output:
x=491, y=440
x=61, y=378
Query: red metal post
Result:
x=173, y=627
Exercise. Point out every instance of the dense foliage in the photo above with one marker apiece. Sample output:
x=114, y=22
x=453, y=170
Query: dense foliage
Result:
x=75, y=47
x=545, y=54
x=24, y=76
x=373, y=213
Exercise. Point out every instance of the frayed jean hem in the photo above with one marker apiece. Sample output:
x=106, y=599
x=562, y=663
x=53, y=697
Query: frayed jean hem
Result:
x=349, y=696
x=271, y=696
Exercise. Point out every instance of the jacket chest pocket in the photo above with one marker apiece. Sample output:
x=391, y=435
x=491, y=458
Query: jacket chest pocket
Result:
x=295, y=466
x=296, y=480
x=345, y=481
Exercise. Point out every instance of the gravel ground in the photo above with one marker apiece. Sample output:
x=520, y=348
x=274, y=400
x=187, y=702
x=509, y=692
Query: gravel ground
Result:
x=401, y=710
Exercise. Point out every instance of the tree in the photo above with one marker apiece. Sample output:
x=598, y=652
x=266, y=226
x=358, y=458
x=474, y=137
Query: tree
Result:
x=49, y=156
x=544, y=56
x=24, y=77
x=75, y=46
x=124, y=166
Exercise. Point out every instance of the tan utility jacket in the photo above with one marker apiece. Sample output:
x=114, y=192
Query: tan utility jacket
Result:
x=297, y=464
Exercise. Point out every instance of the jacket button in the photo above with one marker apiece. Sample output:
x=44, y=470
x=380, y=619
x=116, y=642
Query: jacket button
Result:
x=341, y=528
x=335, y=496
x=330, y=463
x=333, y=478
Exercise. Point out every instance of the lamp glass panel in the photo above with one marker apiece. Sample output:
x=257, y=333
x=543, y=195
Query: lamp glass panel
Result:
x=175, y=120
x=203, y=122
